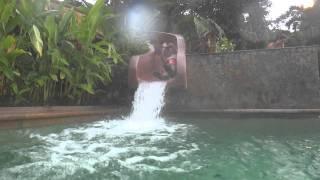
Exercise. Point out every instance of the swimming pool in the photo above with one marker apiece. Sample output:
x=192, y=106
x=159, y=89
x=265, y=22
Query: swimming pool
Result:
x=147, y=146
x=169, y=148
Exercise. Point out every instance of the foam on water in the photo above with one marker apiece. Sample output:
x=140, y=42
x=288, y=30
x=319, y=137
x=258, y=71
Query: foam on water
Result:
x=134, y=143
x=148, y=101
x=147, y=105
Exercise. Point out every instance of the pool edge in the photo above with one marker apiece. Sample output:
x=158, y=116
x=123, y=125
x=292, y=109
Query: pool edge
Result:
x=247, y=113
x=27, y=117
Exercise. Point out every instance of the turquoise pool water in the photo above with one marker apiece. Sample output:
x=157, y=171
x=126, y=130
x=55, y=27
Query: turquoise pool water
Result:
x=171, y=148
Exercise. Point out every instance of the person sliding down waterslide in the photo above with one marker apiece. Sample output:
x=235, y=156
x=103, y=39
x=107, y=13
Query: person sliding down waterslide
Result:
x=169, y=60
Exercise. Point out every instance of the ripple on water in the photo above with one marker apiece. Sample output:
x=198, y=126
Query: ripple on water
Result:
x=114, y=145
x=170, y=151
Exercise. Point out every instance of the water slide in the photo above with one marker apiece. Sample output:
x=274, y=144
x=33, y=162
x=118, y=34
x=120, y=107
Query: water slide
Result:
x=165, y=61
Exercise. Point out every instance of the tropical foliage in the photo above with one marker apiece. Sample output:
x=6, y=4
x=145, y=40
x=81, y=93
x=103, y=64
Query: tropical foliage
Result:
x=303, y=24
x=239, y=19
x=209, y=31
x=68, y=51
x=225, y=45
x=51, y=51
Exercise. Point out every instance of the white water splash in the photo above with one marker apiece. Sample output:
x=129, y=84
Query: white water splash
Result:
x=147, y=105
x=130, y=143
x=148, y=101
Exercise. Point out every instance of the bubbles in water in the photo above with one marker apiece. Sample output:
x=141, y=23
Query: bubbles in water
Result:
x=148, y=101
x=147, y=105
x=141, y=142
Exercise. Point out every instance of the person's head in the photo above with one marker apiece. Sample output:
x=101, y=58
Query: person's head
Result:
x=282, y=37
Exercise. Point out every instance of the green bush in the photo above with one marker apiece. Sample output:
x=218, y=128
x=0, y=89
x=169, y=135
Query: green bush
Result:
x=225, y=45
x=50, y=52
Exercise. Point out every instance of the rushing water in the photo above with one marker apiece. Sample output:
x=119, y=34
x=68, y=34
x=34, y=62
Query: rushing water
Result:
x=145, y=146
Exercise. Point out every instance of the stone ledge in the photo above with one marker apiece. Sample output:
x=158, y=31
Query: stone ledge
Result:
x=289, y=111
x=25, y=113
x=28, y=117
x=254, y=51
x=247, y=113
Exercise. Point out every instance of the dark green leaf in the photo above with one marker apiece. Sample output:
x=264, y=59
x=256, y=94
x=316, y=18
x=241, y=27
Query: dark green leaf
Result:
x=87, y=87
x=8, y=42
x=54, y=77
x=14, y=88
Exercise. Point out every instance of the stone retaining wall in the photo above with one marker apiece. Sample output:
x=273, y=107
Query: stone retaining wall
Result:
x=285, y=78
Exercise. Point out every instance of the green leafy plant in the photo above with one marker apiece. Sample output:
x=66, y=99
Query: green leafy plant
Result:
x=53, y=51
x=208, y=30
x=8, y=72
x=225, y=45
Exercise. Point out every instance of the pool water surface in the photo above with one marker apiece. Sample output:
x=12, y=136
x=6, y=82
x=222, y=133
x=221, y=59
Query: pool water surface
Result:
x=166, y=148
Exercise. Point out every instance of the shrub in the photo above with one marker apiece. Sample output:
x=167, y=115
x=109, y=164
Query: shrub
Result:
x=49, y=52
